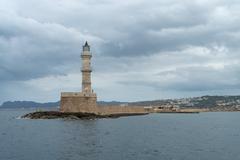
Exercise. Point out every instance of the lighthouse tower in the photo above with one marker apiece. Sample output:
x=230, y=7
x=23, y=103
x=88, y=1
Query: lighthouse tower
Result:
x=86, y=69
x=85, y=101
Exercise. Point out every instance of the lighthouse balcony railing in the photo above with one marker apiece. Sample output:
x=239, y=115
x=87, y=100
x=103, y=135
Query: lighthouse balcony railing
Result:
x=86, y=69
x=86, y=53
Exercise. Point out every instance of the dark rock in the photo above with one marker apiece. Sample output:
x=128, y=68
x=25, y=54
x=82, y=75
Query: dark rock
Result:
x=79, y=115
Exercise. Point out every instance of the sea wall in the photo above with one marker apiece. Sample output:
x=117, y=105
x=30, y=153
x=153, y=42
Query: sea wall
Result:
x=107, y=110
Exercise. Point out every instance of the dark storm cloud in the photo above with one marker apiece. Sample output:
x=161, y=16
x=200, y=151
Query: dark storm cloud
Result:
x=173, y=27
x=30, y=49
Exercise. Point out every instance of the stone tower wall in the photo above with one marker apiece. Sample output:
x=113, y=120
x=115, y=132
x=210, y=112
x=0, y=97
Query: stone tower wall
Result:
x=86, y=82
x=78, y=102
x=86, y=72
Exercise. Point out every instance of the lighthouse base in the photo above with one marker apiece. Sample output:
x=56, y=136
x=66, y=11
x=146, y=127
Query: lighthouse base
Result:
x=78, y=102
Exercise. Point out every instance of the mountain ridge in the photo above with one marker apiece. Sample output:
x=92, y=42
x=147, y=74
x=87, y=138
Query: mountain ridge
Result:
x=193, y=102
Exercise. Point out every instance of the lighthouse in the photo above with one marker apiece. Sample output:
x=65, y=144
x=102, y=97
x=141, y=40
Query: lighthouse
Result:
x=86, y=69
x=86, y=100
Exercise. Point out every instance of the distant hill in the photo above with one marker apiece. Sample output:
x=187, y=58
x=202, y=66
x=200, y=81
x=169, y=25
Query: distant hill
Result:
x=196, y=102
x=221, y=102
x=212, y=101
x=28, y=104
x=32, y=104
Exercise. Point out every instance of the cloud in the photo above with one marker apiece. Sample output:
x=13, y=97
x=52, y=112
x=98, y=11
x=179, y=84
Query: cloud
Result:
x=194, y=69
x=30, y=49
x=155, y=49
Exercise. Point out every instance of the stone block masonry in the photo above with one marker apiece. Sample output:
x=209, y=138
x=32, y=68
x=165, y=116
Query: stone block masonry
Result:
x=85, y=101
x=78, y=102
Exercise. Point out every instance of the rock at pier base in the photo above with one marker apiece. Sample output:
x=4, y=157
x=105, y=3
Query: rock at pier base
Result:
x=75, y=115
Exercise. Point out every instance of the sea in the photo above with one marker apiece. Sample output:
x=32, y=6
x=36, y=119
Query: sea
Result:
x=204, y=136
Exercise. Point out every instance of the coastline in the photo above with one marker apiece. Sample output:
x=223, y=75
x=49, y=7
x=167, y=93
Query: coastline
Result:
x=85, y=115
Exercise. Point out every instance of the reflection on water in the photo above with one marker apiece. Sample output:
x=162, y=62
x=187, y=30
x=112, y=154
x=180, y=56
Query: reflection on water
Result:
x=83, y=139
x=202, y=136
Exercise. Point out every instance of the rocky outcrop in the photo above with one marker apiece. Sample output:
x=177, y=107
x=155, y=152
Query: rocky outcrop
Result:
x=78, y=115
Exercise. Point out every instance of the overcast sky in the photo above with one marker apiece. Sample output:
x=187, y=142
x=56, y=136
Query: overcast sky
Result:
x=142, y=49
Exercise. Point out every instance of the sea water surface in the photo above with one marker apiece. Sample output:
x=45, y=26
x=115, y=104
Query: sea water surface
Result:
x=204, y=136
